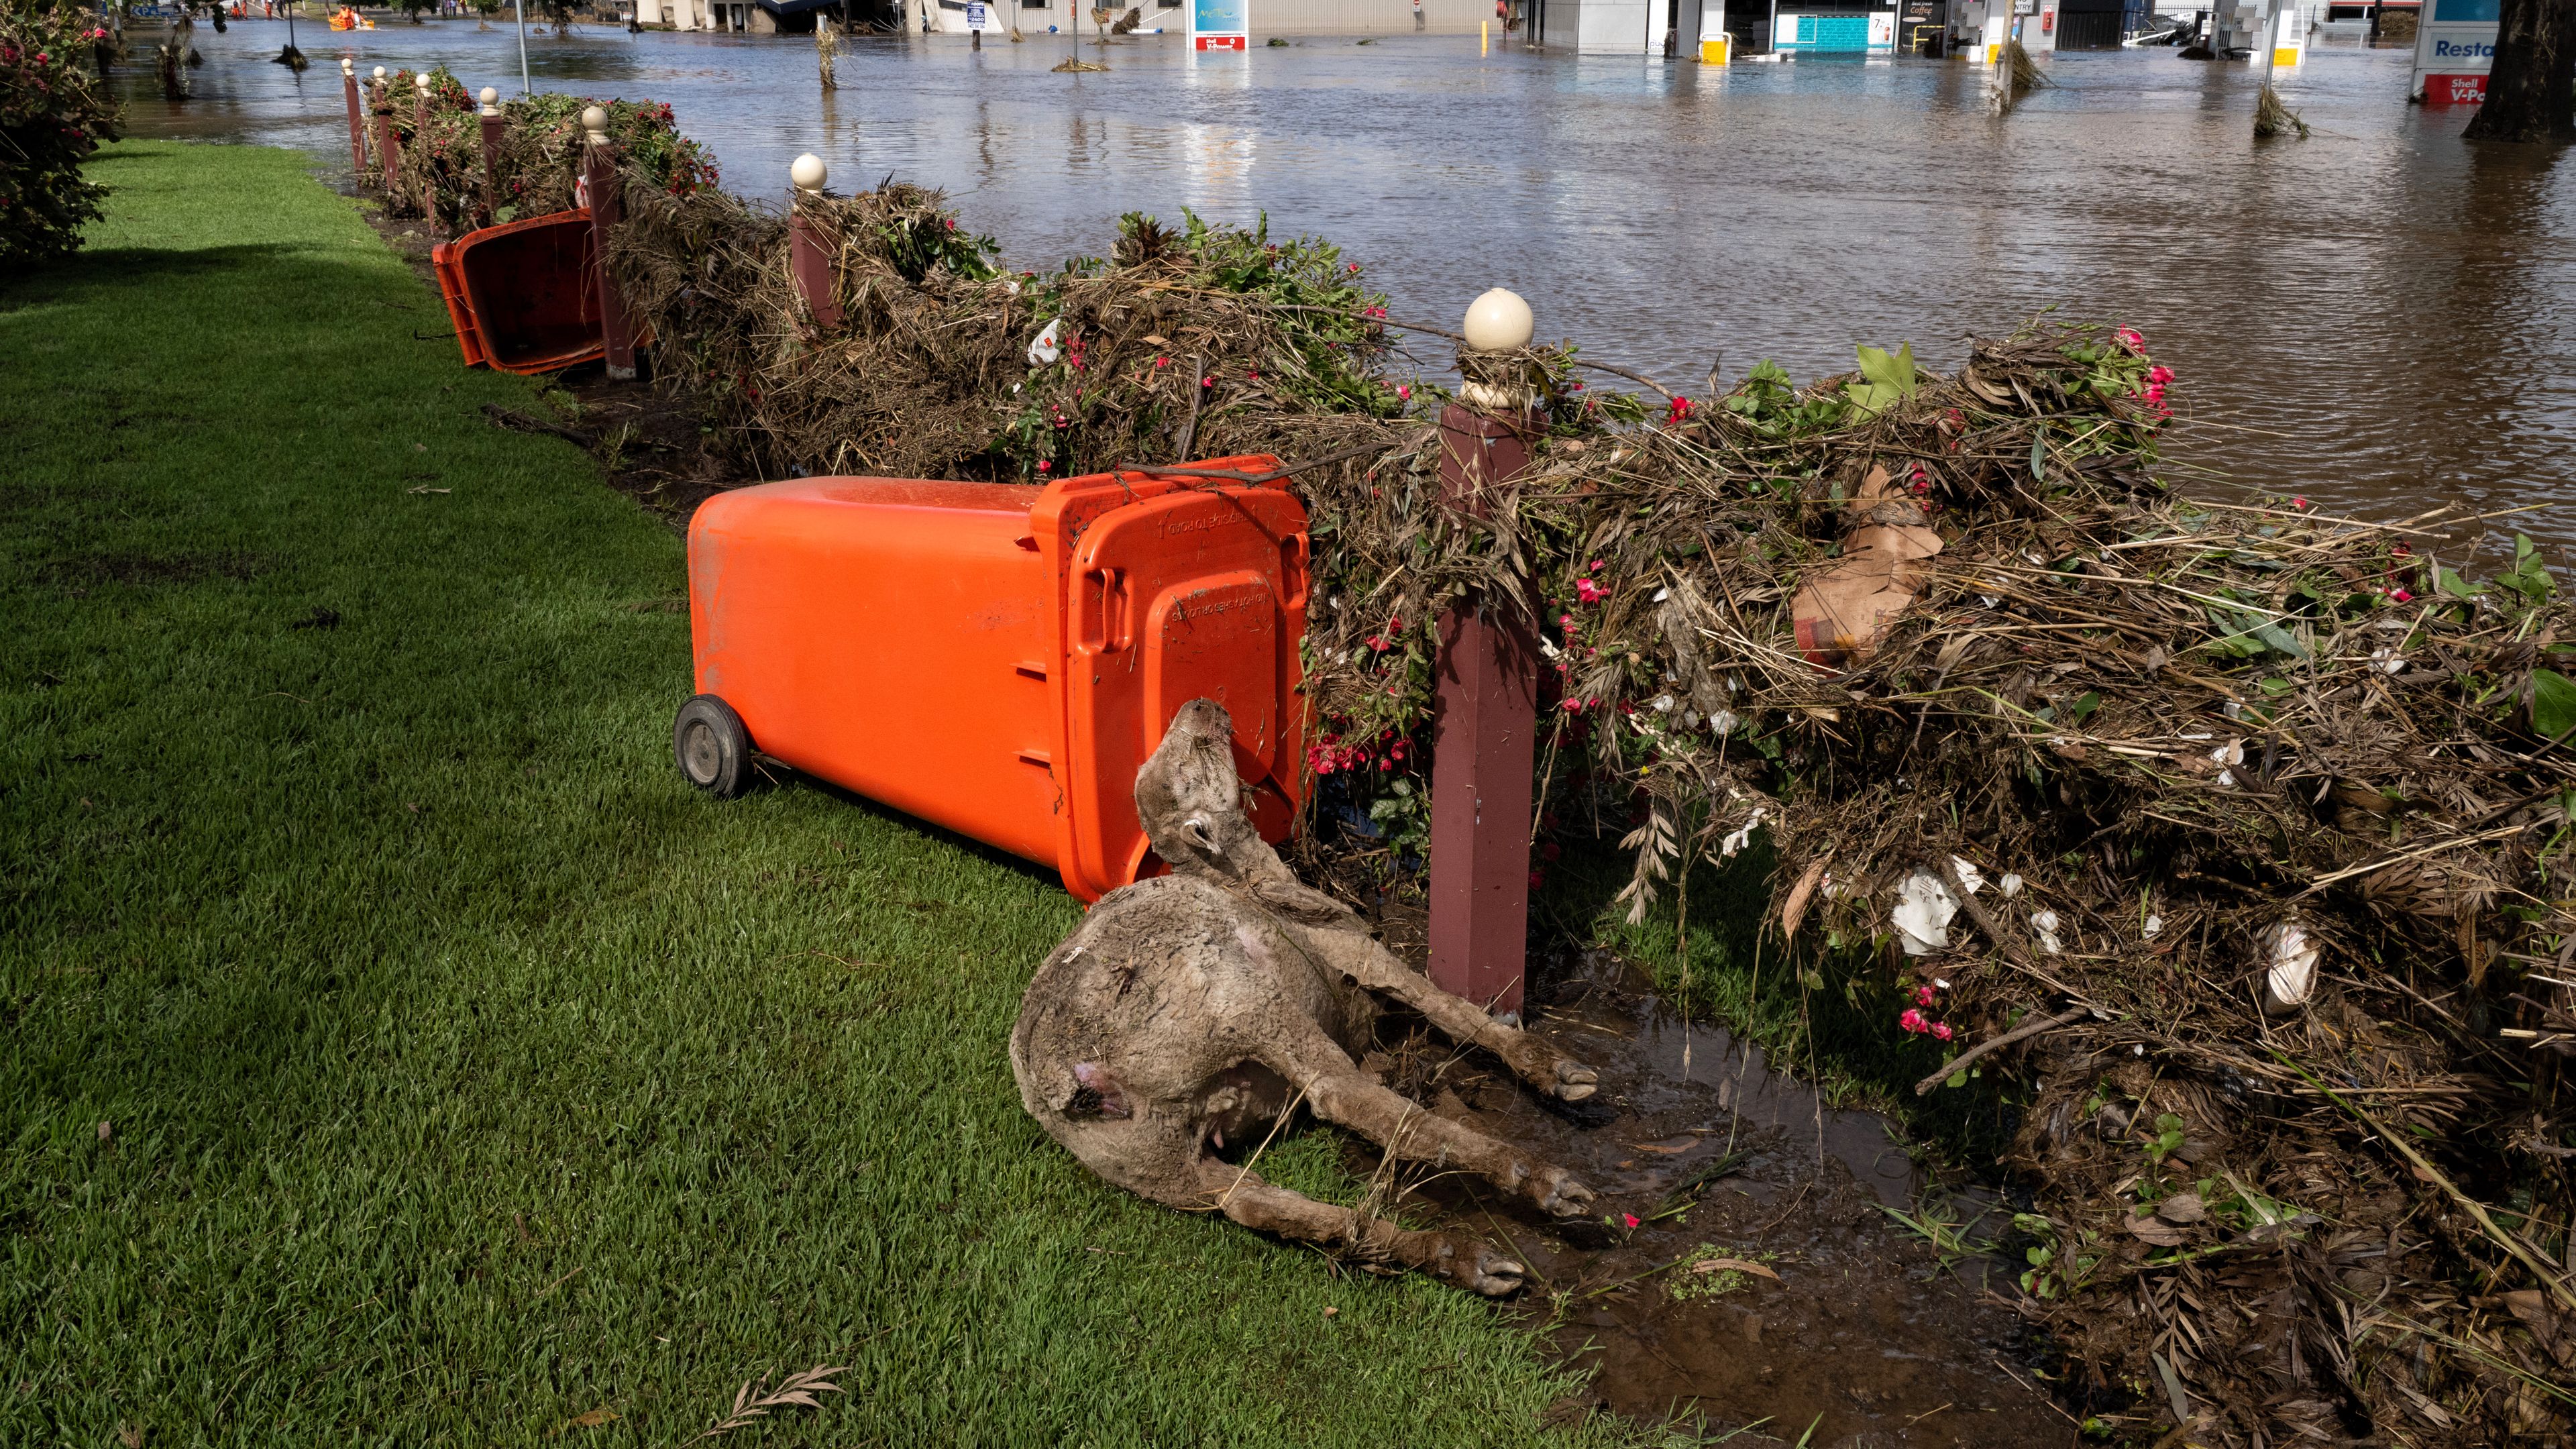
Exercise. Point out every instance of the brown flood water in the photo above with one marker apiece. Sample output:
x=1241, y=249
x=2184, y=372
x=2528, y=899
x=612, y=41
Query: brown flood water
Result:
x=2382, y=317
x=1862, y=1334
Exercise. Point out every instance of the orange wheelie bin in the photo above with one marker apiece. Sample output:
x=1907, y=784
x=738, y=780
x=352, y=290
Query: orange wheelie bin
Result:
x=522, y=295
x=1000, y=659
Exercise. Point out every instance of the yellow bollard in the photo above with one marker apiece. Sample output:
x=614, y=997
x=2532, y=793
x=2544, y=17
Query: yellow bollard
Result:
x=1714, y=52
x=1484, y=37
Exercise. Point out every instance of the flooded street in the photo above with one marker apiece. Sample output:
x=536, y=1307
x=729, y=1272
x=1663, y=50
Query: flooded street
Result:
x=2381, y=317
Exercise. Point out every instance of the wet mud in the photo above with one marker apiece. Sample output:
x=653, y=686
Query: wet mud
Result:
x=1764, y=1284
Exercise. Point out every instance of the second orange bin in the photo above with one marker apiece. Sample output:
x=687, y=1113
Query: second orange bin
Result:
x=1000, y=659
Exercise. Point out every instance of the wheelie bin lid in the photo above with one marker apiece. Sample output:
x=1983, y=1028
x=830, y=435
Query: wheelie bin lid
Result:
x=1176, y=584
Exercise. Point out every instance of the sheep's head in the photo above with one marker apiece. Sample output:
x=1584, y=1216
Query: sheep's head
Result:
x=1190, y=800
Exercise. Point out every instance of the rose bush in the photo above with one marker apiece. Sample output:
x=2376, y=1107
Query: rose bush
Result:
x=53, y=114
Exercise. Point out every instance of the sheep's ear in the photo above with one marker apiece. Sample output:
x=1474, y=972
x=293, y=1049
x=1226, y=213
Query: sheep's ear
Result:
x=1196, y=832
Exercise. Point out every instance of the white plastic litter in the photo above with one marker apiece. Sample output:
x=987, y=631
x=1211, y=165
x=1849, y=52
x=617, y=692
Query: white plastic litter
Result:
x=1724, y=721
x=1045, y=350
x=2154, y=927
x=2010, y=885
x=2045, y=924
x=1742, y=835
x=2225, y=756
x=1924, y=906
x=1663, y=704
x=2290, y=961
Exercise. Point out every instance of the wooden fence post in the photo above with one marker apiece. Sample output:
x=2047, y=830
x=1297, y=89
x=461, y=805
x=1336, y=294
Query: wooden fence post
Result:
x=492, y=123
x=600, y=179
x=357, y=123
x=384, y=108
x=1485, y=706
x=807, y=261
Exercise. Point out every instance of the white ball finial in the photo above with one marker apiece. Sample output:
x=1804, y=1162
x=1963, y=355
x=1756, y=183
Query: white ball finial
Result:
x=491, y=101
x=808, y=173
x=420, y=82
x=380, y=73
x=1499, y=321
x=595, y=122
x=348, y=67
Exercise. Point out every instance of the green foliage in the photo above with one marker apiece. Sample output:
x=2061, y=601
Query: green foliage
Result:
x=2553, y=703
x=1768, y=400
x=53, y=115
x=1885, y=380
x=1403, y=816
x=1687, y=1281
x=2057, y=1268
x=2528, y=577
x=919, y=240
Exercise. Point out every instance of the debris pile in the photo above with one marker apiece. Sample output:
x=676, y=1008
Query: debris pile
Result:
x=2253, y=823
x=1205, y=341
x=439, y=163
x=2226, y=839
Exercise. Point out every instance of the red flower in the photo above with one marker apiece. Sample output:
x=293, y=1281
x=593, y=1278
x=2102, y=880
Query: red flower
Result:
x=1629, y=1218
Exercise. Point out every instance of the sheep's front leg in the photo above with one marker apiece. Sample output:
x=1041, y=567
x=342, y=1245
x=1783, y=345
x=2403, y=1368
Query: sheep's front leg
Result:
x=1533, y=1060
x=1340, y=1093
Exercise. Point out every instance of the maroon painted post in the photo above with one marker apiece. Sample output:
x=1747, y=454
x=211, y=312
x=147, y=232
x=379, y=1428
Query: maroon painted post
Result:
x=808, y=260
x=1485, y=705
x=492, y=124
x=357, y=122
x=600, y=179
x=384, y=109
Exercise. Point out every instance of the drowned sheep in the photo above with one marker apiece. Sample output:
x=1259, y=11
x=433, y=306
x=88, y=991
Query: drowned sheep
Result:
x=1195, y=1009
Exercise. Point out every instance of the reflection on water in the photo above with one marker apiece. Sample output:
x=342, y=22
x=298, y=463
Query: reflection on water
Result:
x=2382, y=316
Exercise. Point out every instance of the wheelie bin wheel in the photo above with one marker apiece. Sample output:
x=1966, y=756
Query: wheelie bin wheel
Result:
x=713, y=748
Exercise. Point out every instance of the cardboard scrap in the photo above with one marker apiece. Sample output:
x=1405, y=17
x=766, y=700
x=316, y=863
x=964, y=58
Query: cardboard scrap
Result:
x=1841, y=614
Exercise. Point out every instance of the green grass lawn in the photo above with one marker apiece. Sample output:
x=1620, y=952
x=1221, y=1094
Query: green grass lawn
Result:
x=398, y=1052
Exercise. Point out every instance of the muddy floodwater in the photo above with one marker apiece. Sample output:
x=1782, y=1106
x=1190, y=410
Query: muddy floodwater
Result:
x=1764, y=1285
x=2381, y=317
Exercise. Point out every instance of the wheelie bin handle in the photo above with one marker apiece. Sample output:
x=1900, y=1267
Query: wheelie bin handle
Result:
x=1104, y=624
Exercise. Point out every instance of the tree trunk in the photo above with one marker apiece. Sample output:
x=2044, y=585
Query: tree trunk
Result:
x=2531, y=92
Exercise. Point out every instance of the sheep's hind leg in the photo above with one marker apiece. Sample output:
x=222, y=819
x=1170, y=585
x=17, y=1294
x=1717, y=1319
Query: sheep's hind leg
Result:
x=1530, y=1058
x=1243, y=1196
x=1341, y=1094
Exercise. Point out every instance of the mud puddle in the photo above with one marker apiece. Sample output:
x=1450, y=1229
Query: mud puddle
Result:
x=1763, y=1284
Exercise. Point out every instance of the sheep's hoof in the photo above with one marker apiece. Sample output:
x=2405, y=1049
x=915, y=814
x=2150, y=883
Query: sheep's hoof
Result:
x=1562, y=1196
x=1489, y=1273
x=1575, y=1081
